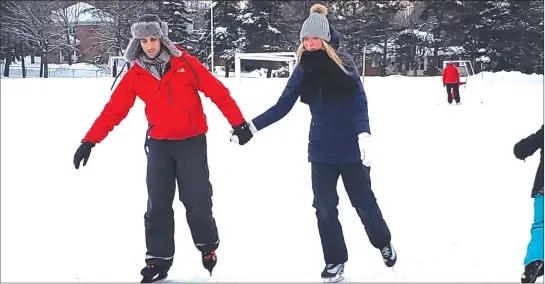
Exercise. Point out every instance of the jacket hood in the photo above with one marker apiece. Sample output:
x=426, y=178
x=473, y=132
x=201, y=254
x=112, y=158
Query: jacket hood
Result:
x=335, y=37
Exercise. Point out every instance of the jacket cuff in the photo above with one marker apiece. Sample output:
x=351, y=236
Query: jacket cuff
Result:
x=364, y=135
x=252, y=127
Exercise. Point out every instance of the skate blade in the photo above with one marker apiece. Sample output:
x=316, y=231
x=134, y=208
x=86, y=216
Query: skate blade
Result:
x=336, y=279
x=157, y=278
x=533, y=278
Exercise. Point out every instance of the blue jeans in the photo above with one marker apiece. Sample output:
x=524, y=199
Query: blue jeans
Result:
x=534, y=250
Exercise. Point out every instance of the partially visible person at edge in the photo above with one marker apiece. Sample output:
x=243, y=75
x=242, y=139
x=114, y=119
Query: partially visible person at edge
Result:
x=168, y=79
x=328, y=81
x=451, y=79
x=533, y=261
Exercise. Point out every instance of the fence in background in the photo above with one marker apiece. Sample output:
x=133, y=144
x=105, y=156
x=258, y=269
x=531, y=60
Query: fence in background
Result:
x=34, y=72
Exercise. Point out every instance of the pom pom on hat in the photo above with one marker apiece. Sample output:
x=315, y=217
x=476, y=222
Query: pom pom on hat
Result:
x=319, y=8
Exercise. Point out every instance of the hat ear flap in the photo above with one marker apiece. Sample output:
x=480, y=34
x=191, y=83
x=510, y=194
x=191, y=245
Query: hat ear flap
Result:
x=164, y=28
x=132, y=51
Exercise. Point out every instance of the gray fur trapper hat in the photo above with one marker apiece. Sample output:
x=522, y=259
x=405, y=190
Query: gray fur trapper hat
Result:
x=149, y=25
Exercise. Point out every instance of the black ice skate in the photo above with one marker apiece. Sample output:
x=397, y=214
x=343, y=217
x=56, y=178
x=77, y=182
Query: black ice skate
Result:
x=209, y=260
x=532, y=271
x=333, y=273
x=152, y=273
x=389, y=255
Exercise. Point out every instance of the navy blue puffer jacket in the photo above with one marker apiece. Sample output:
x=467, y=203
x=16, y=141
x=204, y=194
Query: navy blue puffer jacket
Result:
x=335, y=125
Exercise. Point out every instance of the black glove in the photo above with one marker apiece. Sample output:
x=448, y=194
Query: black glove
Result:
x=83, y=153
x=242, y=133
x=529, y=145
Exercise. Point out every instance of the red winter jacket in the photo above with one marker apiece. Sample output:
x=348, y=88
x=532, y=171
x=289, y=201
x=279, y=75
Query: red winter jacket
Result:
x=173, y=106
x=451, y=75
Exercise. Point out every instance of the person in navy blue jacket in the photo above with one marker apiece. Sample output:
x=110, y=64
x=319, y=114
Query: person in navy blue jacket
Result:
x=533, y=261
x=328, y=81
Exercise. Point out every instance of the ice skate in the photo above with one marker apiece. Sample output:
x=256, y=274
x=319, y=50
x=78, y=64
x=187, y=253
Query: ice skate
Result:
x=532, y=271
x=389, y=255
x=152, y=273
x=333, y=273
x=209, y=260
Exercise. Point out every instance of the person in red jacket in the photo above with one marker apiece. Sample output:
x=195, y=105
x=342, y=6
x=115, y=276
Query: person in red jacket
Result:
x=451, y=79
x=168, y=80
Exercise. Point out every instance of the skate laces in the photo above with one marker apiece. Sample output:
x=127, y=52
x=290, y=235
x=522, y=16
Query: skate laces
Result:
x=335, y=267
x=386, y=251
x=210, y=255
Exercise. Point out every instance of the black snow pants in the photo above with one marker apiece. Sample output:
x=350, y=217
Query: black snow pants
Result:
x=184, y=162
x=357, y=183
x=450, y=88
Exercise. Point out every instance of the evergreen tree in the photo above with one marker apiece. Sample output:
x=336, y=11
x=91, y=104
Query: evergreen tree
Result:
x=477, y=26
x=229, y=37
x=266, y=28
x=382, y=27
x=442, y=20
x=179, y=19
x=525, y=24
x=489, y=28
x=295, y=13
x=352, y=20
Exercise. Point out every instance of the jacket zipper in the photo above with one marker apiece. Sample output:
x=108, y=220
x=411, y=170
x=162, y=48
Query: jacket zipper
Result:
x=172, y=105
x=170, y=95
x=191, y=122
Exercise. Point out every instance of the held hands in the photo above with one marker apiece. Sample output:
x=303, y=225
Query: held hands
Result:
x=364, y=141
x=243, y=133
x=83, y=153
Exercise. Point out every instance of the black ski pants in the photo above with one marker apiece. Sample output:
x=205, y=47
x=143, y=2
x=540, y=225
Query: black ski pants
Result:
x=453, y=87
x=184, y=162
x=357, y=183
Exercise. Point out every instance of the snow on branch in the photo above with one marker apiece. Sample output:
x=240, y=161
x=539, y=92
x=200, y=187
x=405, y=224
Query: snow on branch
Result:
x=34, y=23
x=114, y=30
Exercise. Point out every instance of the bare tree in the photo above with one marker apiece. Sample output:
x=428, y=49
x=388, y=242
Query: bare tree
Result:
x=116, y=18
x=33, y=22
x=67, y=18
x=7, y=41
x=11, y=47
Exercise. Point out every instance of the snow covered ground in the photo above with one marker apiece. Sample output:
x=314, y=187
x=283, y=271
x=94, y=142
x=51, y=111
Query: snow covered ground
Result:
x=456, y=199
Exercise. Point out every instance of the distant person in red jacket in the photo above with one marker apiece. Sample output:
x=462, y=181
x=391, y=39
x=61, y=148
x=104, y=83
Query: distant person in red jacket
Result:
x=451, y=79
x=168, y=79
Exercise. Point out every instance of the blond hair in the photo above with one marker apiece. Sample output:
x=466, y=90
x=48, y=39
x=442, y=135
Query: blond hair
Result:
x=330, y=52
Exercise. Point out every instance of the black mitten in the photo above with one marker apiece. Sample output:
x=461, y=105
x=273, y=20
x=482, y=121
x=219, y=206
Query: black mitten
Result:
x=83, y=153
x=529, y=145
x=243, y=133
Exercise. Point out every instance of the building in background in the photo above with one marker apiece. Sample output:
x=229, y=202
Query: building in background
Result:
x=76, y=25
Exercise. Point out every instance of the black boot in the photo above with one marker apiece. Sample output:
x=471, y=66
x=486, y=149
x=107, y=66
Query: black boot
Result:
x=154, y=272
x=209, y=260
x=389, y=255
x=333, y=272
x=532, y=271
